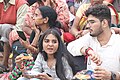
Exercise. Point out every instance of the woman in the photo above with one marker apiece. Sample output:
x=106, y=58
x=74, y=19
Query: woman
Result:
x=52, y=59
x=45, y=18
x=63, y=16
x=58, y=5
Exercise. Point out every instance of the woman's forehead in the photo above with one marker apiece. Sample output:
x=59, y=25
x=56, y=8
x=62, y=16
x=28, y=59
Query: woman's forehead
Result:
x=50, y=36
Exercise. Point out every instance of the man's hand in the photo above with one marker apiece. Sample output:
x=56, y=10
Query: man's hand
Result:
x=101, y=73
x=78, y=34
x=94, y=57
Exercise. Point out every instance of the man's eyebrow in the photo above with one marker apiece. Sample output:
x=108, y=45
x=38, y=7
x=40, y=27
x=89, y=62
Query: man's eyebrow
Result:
x=90, y=20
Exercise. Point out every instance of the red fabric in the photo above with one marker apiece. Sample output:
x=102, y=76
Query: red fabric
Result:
x=10, y=15
x=68, y=37
x=110, y=1
x=117, y=16
x=86, y=51
x=63, y=14
x=5, y=76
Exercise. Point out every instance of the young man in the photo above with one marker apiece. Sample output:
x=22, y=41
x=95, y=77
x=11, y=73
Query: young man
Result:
x=80, y=19
x=100, y=40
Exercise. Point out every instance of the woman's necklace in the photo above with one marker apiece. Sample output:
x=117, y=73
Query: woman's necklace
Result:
x=51, y=63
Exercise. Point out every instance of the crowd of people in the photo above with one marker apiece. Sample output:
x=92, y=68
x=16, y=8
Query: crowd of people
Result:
x=63, y=37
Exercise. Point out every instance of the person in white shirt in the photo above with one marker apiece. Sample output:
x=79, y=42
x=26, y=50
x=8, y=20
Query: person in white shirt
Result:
x=100, y=40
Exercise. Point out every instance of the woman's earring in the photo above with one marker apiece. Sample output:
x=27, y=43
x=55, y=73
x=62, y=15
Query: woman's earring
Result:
x=43, y=50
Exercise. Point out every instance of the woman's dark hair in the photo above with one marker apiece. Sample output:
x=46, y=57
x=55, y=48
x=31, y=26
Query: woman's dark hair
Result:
x=49, y=12
x=62, y=51
x=100, y=11
x=31, y=2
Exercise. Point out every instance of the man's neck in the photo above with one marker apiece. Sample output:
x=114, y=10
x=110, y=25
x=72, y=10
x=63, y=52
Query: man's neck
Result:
x=6, y=1
x=104, y=37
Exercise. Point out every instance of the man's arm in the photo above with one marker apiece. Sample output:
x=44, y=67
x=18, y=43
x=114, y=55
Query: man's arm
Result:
x=75, y=46
x=74, y=29
x=79, y=14
x=117, y=30
x=88, y=51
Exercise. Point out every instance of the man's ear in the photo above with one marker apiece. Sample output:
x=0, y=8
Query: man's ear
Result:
x=105, y=23
x=46, y=20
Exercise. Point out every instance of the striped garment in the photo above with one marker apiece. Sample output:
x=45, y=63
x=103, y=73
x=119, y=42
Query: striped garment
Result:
x=16, y=72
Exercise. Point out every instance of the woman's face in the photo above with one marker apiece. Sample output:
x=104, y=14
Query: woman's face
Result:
x=50, y=44
x=39, y=20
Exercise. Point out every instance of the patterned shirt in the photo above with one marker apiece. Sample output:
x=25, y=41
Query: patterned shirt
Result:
x=41, y=66
x=16, y=72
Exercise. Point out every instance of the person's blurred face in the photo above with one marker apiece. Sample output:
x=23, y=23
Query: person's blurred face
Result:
x=50, y=44
x=95, y=26
x=96, y=2
x=39, y=20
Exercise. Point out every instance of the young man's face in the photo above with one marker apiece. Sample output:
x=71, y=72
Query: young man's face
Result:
x=95, y=26
x=96, y=2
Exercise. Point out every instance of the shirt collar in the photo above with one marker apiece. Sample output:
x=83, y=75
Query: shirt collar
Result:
x=11, y=1
x=111, y=40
